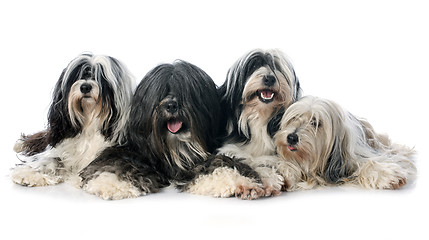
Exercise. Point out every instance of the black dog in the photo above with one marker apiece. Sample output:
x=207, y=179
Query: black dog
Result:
x=173, y=128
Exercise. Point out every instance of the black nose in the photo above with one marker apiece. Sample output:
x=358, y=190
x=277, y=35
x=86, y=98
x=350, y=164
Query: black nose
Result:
x=269, y=80
x=172, y=107
x=292, y=139
x=85, y=88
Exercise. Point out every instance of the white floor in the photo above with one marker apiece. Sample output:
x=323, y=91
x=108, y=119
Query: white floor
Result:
x=47, y=213
x=369, y=56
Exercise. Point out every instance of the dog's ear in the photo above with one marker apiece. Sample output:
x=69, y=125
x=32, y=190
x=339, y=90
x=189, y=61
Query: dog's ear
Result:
x=274, y=123
x=59, y=124
x=336, y=168
x=296, y=89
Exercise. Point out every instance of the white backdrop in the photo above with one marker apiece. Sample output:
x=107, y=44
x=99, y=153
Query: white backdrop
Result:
x=369, y=56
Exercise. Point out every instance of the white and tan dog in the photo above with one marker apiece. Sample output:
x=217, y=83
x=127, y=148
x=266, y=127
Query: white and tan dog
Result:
x=322, y=144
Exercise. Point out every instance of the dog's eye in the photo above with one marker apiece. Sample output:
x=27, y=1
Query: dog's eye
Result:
x=315, y=123
x=294, y=119
x=291, y=120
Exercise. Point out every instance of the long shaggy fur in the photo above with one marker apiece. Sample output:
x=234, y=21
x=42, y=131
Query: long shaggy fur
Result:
x=183, y=96
x=173, y=128
x=257, y=88
x=88, y=113
x=320, y=143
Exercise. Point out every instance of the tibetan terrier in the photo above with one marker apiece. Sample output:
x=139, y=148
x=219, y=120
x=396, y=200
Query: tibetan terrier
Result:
x=258, y=86
x=173, y=129
x=88, y=113
x=322, y=144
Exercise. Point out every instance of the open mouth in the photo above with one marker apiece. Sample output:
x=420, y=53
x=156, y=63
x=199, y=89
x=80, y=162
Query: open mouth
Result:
x=292, y=148
x=174, y=125
x=88, y=96
x=266, y=95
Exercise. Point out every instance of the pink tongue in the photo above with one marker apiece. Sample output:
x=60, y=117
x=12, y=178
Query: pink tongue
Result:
x=266, y=93
x=174, y=125
x=291, y=148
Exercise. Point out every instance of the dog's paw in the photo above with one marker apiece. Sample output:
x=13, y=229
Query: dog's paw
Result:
x=271, y=189
x=249, y=191
x=226, y=182
x=27, y=176
x=383, y=175
x=391, y=182
x=109, y=187
x=271, y=180
x=398, y=183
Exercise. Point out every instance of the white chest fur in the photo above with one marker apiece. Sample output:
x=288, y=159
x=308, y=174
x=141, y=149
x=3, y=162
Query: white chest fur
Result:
x=260, y=143
x=77, y=152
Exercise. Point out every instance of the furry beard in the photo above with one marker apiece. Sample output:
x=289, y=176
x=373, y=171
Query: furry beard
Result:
x=258, y=87
x=173, y=128
x=178, y=117
x=322, y=144
x=90, y=105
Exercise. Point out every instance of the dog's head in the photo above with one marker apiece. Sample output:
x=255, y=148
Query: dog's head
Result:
x=319, y=135
x=92, y=91
x=257, y=86
x=176, y=110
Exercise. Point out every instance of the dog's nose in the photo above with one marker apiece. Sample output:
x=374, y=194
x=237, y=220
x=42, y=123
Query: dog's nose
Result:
x=172, y=107
x=269, y=80
x=85, y=88
x=292, y=138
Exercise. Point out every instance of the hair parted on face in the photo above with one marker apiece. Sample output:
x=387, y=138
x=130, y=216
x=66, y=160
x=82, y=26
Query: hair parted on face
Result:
x=261, y=82
x=258, y=87
x=91, y=88
x=321, y=143
x=89, y=113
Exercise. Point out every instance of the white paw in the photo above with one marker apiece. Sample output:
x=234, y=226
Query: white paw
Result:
x=31, y=177
x=273, y=182
x=226, y=182
x=249, y=190
x=108, y=186
x=383, y=175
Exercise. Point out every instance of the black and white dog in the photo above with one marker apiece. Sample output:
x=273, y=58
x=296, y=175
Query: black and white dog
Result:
x=91, y=102
x=257, y=89
x=173, y=128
